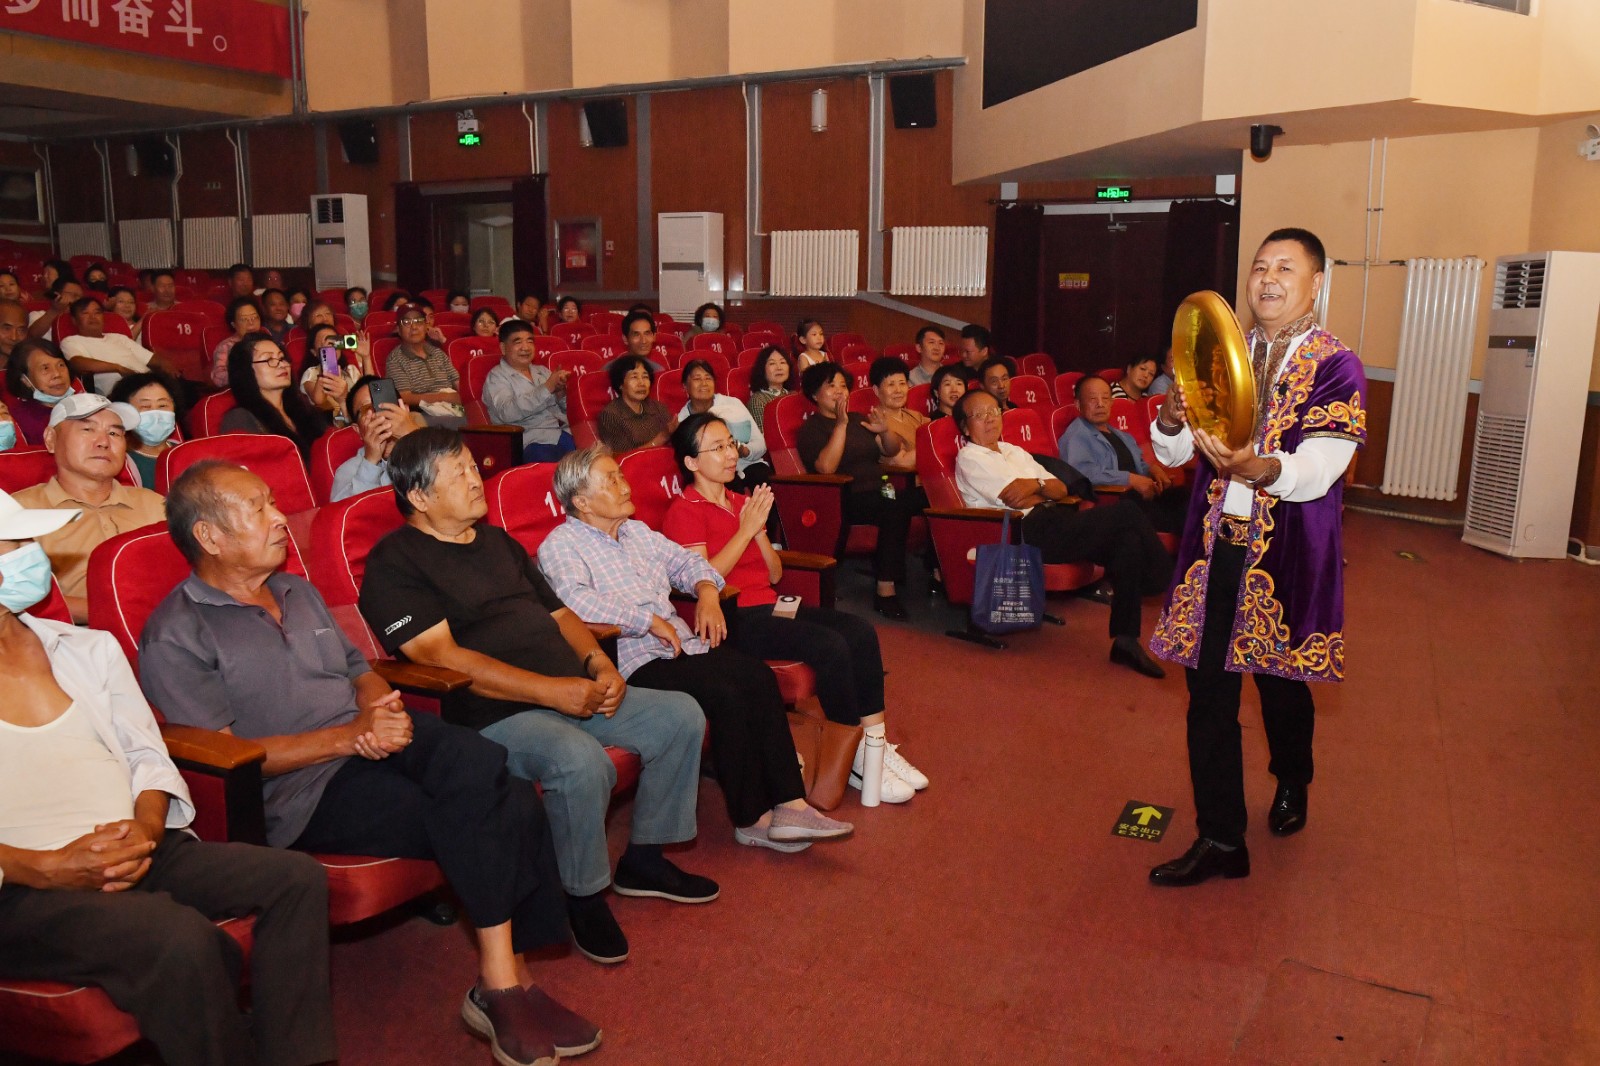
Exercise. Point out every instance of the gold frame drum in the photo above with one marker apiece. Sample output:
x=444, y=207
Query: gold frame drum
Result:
x=1211, y=361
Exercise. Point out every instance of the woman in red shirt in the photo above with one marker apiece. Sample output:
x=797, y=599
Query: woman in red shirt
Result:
x=730, y=531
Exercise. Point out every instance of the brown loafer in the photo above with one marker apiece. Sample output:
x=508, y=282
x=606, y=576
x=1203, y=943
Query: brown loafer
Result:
x=508, y=1019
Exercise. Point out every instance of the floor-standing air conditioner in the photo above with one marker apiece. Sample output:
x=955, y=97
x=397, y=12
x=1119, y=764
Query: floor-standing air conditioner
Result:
x=689, y=244
x=340, y=252
x=1530, y=415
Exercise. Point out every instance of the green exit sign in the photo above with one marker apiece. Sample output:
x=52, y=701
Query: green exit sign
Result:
x=469, y=140
x=1114, y=192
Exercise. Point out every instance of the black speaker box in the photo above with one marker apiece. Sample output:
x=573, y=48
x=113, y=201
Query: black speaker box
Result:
x=359, y=136
x=608, y=122
x=156, y=159
x=912, y=98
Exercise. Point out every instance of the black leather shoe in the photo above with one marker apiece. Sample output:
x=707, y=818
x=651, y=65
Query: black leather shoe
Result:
x=1203, y=861
x=1127, y=651
x=890, y=607
x=1287, y=814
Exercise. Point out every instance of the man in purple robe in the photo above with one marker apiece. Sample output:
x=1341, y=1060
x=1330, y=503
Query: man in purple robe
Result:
x=1259, y=585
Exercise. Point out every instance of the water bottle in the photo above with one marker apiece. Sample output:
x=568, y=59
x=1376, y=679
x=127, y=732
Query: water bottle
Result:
x=886, y=490
x=872, y=771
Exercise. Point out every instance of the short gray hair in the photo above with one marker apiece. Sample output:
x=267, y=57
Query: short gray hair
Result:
x=572, y=474
x=194, y=498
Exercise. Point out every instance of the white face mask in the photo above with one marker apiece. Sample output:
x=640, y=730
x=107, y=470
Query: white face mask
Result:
x=710, y=325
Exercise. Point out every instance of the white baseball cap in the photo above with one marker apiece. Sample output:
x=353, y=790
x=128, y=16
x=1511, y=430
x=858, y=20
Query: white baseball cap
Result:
x=27, y=523
x=84, y=404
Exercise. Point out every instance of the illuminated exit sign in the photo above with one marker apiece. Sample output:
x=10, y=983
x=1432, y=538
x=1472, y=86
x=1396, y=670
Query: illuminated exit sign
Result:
x=1114, y=192
x=469, y=140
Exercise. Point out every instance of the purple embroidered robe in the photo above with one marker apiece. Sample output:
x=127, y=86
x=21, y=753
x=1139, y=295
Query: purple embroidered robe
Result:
x=1288, y=616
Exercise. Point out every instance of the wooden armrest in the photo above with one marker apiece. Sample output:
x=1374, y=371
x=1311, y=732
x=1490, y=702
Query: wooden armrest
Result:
x=970, y=514
x=811, y=479
x=420, y=677
x=1111, y=490
x=490, y=427
x=604, y=630
x=207, y=747
x=729, y=592
x=792, y=560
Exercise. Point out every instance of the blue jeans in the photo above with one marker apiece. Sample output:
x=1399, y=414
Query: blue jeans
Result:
x=549, y=453
x=567, y=757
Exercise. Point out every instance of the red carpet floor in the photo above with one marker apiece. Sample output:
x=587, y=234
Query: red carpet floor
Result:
x=1439, y=908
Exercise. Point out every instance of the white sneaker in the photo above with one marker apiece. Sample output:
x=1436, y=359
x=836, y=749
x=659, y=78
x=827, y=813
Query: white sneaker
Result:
x=893, y=760
x=894, y=790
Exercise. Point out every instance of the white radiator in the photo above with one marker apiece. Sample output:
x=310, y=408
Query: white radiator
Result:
x=280, y=240
x=147, y=243
x=814, y=262
x=83, y=238
x=939, y=260
x=212, y=243
x=1430, y=382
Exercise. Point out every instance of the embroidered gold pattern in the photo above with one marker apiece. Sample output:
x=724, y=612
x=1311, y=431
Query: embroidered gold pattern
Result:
x=1177, y=633
x=1338, y=419
x=1261, y=640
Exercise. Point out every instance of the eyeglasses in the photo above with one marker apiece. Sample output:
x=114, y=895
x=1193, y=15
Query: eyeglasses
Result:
x=983, y=414
x=727, y=447
x=276, y=359
x=413, y=322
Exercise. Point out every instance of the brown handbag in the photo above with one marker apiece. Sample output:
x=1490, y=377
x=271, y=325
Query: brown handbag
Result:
x=827, y=751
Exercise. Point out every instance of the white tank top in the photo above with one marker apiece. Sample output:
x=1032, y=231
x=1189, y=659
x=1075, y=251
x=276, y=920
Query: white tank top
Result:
x=58, y=781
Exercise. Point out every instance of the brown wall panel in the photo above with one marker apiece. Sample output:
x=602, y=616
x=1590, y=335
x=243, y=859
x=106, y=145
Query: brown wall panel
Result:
x=918, y=187
x=815, y=180
x=697, y=162
x=209, y=187
x=283, y=169
x=79, y=186
x=504, y=153
x=375, y=182
x=137, y=197
x=598, y=183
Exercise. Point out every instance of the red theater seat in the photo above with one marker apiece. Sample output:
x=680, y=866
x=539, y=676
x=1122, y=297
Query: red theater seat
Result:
x=330, y=451
x=129, y=576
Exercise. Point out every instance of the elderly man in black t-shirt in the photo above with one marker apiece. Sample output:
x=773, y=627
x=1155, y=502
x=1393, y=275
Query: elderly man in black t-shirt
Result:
x=450, y=590
x=245, y=648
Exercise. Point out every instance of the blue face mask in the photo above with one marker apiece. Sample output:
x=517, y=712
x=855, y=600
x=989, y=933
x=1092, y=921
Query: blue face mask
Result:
x=24, y=578
x=47, y=399
x=358, y=309
x=8, y=436
x=156, y=426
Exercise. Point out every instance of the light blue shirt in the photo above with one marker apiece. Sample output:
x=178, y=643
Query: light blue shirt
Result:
x=355, y=476
x=513, y=400
x=1092, y=455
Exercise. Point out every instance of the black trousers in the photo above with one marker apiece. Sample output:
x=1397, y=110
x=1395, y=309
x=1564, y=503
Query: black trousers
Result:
x=751, y=746
x=1216, y=758
x=842, y=649
x=448, y=797
x=893, y=519
x=157, y=955
x=1118, y=537
x=1168, y=511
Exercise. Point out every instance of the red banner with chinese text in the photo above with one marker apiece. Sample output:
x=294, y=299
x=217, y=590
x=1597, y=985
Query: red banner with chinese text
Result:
x=248, y=35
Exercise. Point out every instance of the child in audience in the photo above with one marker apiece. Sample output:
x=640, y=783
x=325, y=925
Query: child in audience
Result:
x=810, y=344
x=485, y=323
x=459, y=302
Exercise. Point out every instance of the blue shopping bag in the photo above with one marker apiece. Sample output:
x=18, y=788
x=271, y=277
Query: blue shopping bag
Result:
x=1008, y=590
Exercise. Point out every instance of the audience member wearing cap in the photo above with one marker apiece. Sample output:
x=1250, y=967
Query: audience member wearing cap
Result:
x=36, y=377
x=99, y=882
x=88, y=436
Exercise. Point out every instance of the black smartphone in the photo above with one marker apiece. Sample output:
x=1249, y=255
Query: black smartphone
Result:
x=329, y=355
x=383, y=391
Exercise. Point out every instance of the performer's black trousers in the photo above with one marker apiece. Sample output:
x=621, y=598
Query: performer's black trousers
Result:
x=1216, y=759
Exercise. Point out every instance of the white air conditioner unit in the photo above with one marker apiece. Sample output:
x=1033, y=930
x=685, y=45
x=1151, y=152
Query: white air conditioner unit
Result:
x=1530, y=415
x=689, y=250
x=341, y=253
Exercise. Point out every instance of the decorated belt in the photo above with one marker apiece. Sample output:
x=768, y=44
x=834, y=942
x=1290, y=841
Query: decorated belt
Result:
x=1235, y=531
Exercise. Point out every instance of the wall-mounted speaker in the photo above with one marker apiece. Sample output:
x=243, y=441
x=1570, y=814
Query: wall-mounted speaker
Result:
x=911, y=96
x=359, y=138
x=152, y=157
x=608, y=122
